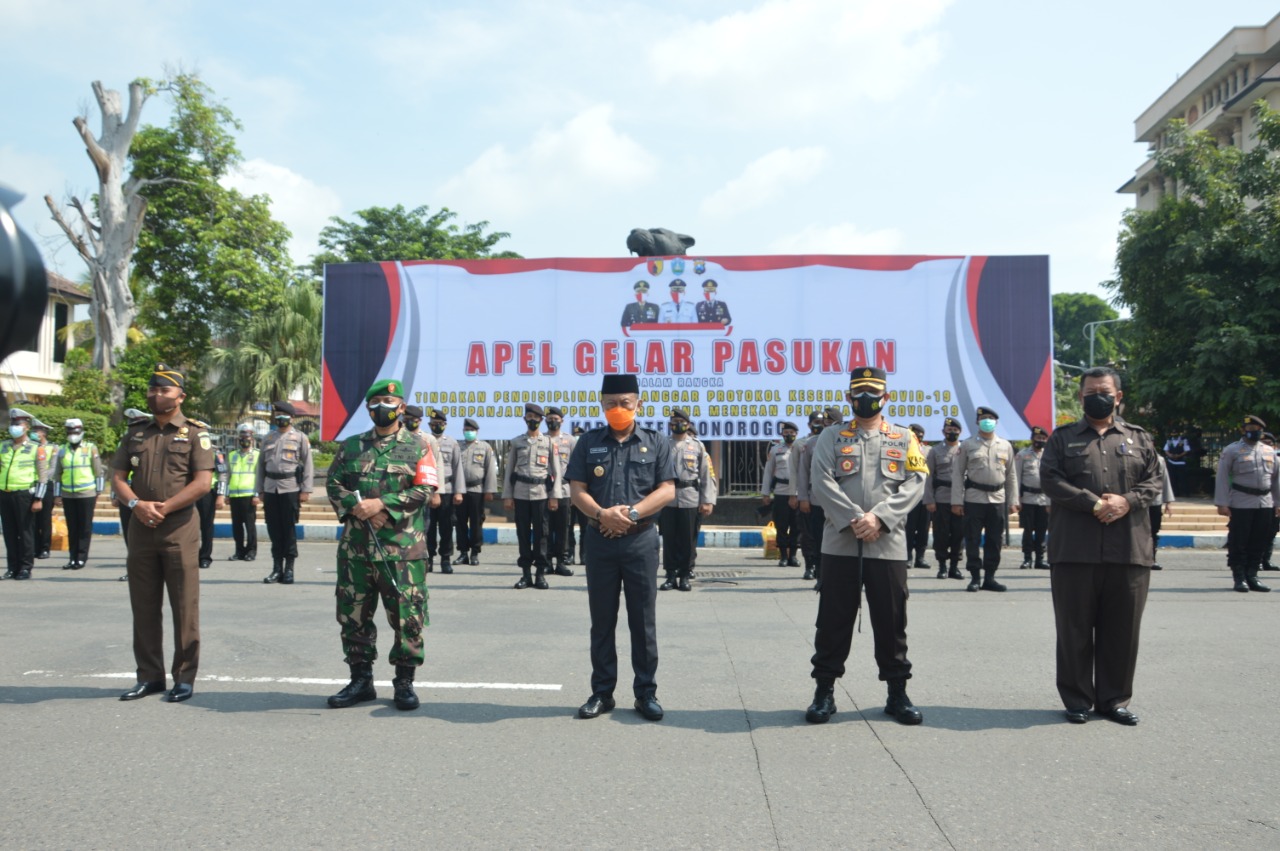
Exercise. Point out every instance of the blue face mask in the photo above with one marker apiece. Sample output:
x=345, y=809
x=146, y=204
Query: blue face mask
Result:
x=16, y=431
x=468, y=436
x=988, y=425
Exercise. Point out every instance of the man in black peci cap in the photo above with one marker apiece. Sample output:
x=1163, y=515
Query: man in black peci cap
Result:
x=621, y=477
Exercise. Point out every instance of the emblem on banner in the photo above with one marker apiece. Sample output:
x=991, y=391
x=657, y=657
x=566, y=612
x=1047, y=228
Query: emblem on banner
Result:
x=655, y=267
x=700, y=266
x=677, y=267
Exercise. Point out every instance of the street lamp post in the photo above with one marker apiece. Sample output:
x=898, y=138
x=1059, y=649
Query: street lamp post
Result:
x=1091, y=331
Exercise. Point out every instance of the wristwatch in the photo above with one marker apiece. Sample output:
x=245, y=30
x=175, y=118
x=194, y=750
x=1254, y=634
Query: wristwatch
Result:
x=132, y=503
x=634, y=515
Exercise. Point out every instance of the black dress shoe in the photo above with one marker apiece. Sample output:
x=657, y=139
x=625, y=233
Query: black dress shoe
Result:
x=179, y=693
x=595, y=705
x=990, y=584
x=1026, y=563
x=1270, y=566
x=77, y=565
x=920, y=563
x=954, y=573
x=71, y=565
x=808, y=575
x=236, y=557
x=475, y=559
x=1121, y=715
x=251, y=556
x=9, y=574
x=791, y=562
x=974, y=584
x=124, y=578
x=462, y=559
x=683, y=584
x=142, y=689
x=782, y=562
x=541, y=583
x=1078, y=716
x=42, y=554
x=25, y=573
x=1255, y=585
x=524, y=582
x=561, y=570
x=669, y=585
x=1156, y=567
x=649, y=708
x=446, y=568
x=206, y=563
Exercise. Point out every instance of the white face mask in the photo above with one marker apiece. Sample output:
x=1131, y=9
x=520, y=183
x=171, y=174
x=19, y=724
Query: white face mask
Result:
x=75, y=438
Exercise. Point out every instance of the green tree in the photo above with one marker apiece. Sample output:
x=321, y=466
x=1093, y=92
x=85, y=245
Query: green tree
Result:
x=270, y=355
x=1201, y=273
x=84, y=386
x=1071, y=313
x=208, y=257
x=381, y=233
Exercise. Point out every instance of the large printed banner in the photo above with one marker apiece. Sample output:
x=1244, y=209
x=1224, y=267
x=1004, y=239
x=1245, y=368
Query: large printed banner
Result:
x=742, y=343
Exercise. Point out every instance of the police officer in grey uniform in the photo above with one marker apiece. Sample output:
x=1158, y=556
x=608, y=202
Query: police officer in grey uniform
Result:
x=620, y=477
x=1248, y=493
x=560, y=538
x=532, y=469
x=695, y=495
x=776, y=481
x=480, y=472
x=918, y=520
x=284, y=480
x=948, y=528
x=1033, y=513
x=440, y=523
x=209, y=504
x=985, y=466
x=810, y=536
x=867, y=476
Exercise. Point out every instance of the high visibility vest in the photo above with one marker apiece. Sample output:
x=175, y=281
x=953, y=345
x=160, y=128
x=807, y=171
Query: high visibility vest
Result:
x=18, y=465
x=244, y=471
x=77, y=468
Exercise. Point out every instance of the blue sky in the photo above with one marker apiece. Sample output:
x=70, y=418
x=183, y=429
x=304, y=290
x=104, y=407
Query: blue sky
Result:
x=824, y=126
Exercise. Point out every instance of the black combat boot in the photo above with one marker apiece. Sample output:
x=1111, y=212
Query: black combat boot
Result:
x=358, y=690
x=525, y=581
x=276, y=564
x=942, y=569
x=824, y=702
x=1026, y=560
x=287, y=577
x=954, y=572
x=462, y=558
x=808, y=573
x=1041, y=564
x=683, y=582
x=670, y=584
x=446, y=563
x=975, y=581
x=990, y=584
x=431, y=564
x=1251, y=579
x=1237, y=576
x=540, y=580
x=405, y=697
x=899, y=705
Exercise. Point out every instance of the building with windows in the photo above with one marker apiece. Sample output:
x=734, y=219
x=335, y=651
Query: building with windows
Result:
x=1217, y=95
x=34, y=372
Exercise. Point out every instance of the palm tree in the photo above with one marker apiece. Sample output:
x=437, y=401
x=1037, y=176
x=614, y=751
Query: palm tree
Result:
x=270, y=356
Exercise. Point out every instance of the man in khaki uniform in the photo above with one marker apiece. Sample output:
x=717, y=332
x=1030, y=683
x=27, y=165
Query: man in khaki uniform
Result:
x=1033, y=511
x=948, y=528
x=480, y=471
x=559, y=539
x=776, y=481
x=695, y=495
x=284, y=481
x=984, y=481
x=160, y=469
x=532, y=471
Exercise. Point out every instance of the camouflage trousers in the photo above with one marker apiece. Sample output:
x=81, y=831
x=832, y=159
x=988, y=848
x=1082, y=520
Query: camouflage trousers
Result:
x=360, y=583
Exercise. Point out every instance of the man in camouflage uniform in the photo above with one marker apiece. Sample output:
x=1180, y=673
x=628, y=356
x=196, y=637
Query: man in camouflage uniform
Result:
x=379, y=482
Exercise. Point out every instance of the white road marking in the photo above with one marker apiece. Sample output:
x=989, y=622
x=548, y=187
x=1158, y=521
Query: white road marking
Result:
x=310, y=681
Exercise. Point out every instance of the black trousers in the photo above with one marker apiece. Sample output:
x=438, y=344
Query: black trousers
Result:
x=205, y=508
x=79, y=514
x=1177, y=478
x=1097, y=609
x=19, y=529
x=838, y=603
x=244, y=525
x=1271, y=542
x=811, y=543
x=679, y=530
x=948, y=535
x=1034, y=520
x=577, y=529
x=531, y=533
x=1155, y=512
x=559, y=536
x=281, y=513
x=983, y=530
x=1248, y=531
x=784, y=524
x=470, y=522
x=440, y=527
x=917, y=532
x=626, y=566
x=44, y=524
x=125, y=515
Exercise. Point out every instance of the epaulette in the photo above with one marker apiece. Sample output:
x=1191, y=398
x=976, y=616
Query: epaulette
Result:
x=195, y=422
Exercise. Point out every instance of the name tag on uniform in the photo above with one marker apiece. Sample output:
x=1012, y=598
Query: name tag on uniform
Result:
x=594, y=450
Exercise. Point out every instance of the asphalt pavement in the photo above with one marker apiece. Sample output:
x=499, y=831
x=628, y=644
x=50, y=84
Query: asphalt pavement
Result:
x=495, y=758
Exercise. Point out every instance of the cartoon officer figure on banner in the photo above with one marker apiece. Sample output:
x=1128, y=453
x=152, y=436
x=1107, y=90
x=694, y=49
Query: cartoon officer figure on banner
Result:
x=712, y=309
x=677, y=310
x=640, y=311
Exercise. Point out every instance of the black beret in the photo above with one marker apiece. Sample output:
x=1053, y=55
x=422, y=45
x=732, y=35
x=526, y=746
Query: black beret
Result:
x=413, y=411
x=834, y=413
x=814, y=416
x=681, y=413
x=917, y=428
x=164, y=376
x=470, y=424
x=620, y=384
x=530, y=408
x=553, y=411
x=579, y=430
x=438, y=414
x=789, y=425
x=867, y=375
x=952, y=422
x=283, y=408
x=990, y=412
x=1252, y=420
x=1037, y=431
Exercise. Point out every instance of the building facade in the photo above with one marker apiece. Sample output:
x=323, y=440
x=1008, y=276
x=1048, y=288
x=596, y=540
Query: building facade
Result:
x=34, y=372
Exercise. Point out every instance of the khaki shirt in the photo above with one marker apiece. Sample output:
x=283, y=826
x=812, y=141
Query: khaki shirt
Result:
x=530, y=462
x=777, y=471
x=1028, y=464
x=564, y=444
x=801, y=457
x=1077, y=468
x=988, y=462
x=854, y=472
x=1250, y=465
x=937, y=488
x=281, y=455
x=448, y=454
x=479, y=467
x=162, y=460
x=695, y=486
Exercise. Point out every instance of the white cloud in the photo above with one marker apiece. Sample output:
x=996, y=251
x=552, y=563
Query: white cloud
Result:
x=303, y=205
x=843, y=238
x=767, y=178
x=576, y=162
x=790, y=58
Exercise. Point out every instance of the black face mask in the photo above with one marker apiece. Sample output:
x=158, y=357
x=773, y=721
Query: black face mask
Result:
x=788, y=438
x=952, y=436
x=412, y=425
x=865, y=405
x=1099, y=406
x=437, y=428
x=679, y=428
x=246, y=442
x=816, y=429
x=553, y=425
x=282, y=422
x=1039, y=444
x=1253, y=436
x=532, y=424
x=384, y=416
